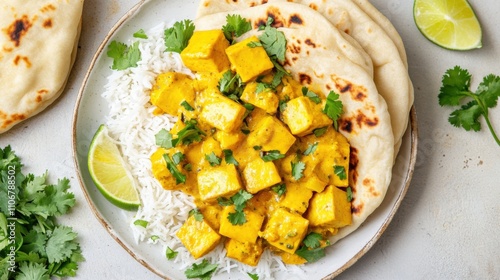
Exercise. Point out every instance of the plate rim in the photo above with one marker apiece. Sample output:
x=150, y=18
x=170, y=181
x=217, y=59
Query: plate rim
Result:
x=412, y=129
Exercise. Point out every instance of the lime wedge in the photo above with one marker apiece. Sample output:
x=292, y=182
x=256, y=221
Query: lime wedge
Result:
x=450, y=24
x=109, y=171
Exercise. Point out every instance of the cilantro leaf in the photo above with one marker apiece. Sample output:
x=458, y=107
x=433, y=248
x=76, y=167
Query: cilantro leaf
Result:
x=310, y=255
x=318, y=132
x=172, y=167
x=231, y=85
x=177, y=37
x=298, y=170
x=311, y=148
x=141, y=223
x=240, y=199
x=189, y=134
x=313, y=96
x=235, y=27
x=455, y=90
x=203, y=270
x=164, y=139
x=222, y=201
x=271, y=155
x=213, y=159
x=229, y=158
x=333, y=107
x=312, y=240
x=187, y=106
x=340, y=172
x=198, y=216
x=140, y=34
x=280, y=189
x=171, y=254
x=349, y=194
x=273, y=41
x=124, y=56
x=30, y=271
x=254, y=276
x=61, y=244
x=237, y=218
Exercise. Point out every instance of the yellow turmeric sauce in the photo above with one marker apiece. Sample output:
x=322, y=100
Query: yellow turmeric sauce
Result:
x=273, y=144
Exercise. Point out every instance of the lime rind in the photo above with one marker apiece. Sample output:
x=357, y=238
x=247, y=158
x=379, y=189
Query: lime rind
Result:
x=437, y=24
x=116, y=161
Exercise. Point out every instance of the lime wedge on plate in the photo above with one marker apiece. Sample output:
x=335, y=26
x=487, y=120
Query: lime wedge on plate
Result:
x=110, y=173
x=450, y=24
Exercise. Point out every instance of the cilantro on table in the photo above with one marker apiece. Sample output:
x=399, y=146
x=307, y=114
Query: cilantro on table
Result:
x=235, y=27
x=177, y=37
x=124, y=56
x=29, y=205
x=311, y=250
x=333, y=108
x=203, y=270
x=455, y=91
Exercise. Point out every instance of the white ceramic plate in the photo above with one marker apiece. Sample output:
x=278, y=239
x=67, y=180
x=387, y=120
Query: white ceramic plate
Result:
x=91, y=110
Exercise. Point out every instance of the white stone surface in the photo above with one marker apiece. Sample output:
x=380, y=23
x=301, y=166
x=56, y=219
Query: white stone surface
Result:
x=447, y=226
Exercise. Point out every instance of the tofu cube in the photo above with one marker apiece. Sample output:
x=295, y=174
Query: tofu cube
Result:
x=247, y=253
x=205, y=52
x=160, y=171
x=198, y=237
x=247, y=232
x=330, y=209
x=314, y=183
x=296, y=198
x=267, y=100
x=219, y=181
x=229, y=140
x=303, y=116
x=249, y=62
x=259, y=175
x=335, y=151
x=271, y=134
x=285, y=230
x=222, y=113
x=211, y=213
x=170, y=90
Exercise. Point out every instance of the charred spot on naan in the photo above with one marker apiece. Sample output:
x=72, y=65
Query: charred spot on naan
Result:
x=369, y=185
x=20, y=58
x=357, y=92
x=18, y=29
x=9, y=120
x=40, y=95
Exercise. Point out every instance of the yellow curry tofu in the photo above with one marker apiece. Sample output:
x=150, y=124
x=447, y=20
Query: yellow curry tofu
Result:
x=303, y=116
x=271, y=134
x=205, y=52
x=249, y=62
x=198, y=237
x=248, y=253
x=219, y=181
x=330, y=209
x=159, y=168
x=259, y=175
x=247, y=232
x=285, y=230
x=265, y=99
x=222, y=113
x=170, y=90
x=296, y=198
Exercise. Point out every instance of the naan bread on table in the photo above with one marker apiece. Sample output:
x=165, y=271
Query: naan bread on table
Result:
x=38, y=44
x=386, y=51
x=316, y=57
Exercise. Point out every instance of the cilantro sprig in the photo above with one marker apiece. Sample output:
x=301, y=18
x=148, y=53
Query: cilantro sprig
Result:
x=333, y=108
x=273, y=41
x=239, y=200
x=203, y=270
x=124, y=56
x=177, y=37
x=235, y=27
x=311, y=250
x=42, y=248
x=455, y=91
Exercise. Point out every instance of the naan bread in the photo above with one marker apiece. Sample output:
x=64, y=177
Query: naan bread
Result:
x=386, y=52
x=316, y=57
x=38, y=43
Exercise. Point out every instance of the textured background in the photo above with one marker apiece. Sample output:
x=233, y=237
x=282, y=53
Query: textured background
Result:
x=447, y=226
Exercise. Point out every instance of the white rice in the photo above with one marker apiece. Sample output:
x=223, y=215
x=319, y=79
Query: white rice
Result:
x=132, y=123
